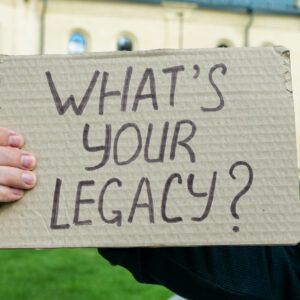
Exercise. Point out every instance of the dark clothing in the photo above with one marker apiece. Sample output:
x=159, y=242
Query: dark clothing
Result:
x=225, y=272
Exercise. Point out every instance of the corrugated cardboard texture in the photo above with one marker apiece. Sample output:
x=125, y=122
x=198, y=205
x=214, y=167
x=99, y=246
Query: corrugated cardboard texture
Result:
x=210, y=134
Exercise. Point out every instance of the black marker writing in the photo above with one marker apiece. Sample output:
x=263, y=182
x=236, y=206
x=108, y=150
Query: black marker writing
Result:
x=62, y=108
x=118, y=215
x=148, y=76
x=148, y=204
x=162, y=146
x=221, y=98
x=105, y=148
x=243, y=191
x=55, y=207
x=104, y=93
x=138, y=148
x=184, y=142
x=114, y=144
x=126, y=88
x=174, y=73
x=165, y=198
x=80, y=201
x=200, y=195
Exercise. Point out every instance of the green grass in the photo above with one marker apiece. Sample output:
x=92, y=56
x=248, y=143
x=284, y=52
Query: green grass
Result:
x=68, y=274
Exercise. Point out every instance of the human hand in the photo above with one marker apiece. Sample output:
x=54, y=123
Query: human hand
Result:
x=16, y=166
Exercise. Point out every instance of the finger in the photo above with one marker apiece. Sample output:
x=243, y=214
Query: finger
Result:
x=14, y=157
x=10, y=138
x=8, y=194
x=17, y=178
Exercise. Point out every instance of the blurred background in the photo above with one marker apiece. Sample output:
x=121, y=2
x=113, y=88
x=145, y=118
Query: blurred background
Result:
x=78, y=26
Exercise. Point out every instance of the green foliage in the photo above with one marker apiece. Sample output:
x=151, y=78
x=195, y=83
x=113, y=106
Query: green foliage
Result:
x=68, y=274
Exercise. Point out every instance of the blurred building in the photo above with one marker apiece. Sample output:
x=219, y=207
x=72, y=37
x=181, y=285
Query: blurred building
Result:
x=76, y=26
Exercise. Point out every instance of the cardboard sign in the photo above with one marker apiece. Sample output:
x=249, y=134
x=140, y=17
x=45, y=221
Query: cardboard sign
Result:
x=155, y=148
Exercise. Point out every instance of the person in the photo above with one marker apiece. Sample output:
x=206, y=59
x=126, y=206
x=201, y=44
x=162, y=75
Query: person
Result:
x=227, y=272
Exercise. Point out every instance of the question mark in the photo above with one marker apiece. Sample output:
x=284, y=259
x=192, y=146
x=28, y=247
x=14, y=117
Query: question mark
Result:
x=242, y=192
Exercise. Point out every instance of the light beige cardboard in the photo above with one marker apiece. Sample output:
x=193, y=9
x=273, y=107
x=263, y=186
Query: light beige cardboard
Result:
x=244, y=120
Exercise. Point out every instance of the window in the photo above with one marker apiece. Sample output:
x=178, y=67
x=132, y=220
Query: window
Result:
x=124, y=44
x=77, y=43
x=223, y=45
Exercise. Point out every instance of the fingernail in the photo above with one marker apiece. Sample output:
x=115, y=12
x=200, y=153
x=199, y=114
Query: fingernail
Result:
x=28, y=178
x=17, y=192
x=14, y=140
x=26, y=161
